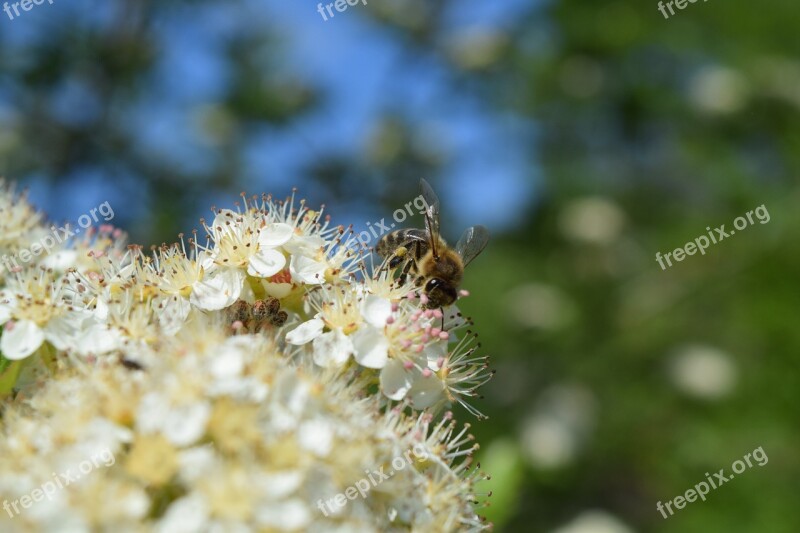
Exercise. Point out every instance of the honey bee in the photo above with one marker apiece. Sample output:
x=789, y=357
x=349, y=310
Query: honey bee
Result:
x=437, y=268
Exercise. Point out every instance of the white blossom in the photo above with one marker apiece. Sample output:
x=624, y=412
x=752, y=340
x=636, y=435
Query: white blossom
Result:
x=239, y=379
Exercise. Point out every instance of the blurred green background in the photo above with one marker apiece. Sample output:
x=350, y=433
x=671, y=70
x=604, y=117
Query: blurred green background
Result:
x=587, y=135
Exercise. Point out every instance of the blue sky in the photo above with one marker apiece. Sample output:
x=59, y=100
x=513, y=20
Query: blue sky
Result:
x=358, y=65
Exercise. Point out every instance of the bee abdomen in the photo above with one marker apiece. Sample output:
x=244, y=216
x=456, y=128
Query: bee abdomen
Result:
x=389, y=243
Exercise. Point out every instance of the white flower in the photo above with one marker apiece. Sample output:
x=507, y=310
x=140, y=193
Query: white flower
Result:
x=289, y=515
x=306, y=332
x=180, y=424
x=61, y=260
x=243, y=246
x=333, y=348
x=220, y=419
x=97, y=339
x=376, y=310
x=594, y=521
x=704, y=372
x=307, y=270
x=33, y=311
x=354, y=329
x=241, y=242
x=188, y=514
x=310, y=246
x=179, y=279
x=229, y=361
x=18, y=219
x=219, y=291
x=396, y=380
x=371, y=347
x=427, y=390
x=172, y=312
x=316, y=436
x=20, y=339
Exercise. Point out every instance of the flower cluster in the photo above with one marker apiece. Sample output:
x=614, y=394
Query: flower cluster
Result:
x=238, y=376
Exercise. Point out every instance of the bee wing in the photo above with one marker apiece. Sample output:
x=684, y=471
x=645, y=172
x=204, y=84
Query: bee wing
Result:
x=416, y=235
x=472, y=243
x=431, y=213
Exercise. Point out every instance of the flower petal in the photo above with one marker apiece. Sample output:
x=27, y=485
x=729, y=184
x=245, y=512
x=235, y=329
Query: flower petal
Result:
x=187, y=513
x=309, y=246
x=280, y=484
x=376, y=310
x=266, y=263
x=101, y=310
x=278, y=290
x=186, y=423
x=224, y=223
x=306, y=270
x=172, y=313
x=275, y=234
x=305, y=332
x=61, y=261
x=20, y=339
x=63, y=331
x=219, y=291
x=395, y=380
x=98, y=339
x=371, y=347
x=316, y=436
x=435, y=352
x=5, y=314
x=332, y=348
x=426, y=391
x=284, y=515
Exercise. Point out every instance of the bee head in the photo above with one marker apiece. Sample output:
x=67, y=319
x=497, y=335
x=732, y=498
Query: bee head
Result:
x=439, y=293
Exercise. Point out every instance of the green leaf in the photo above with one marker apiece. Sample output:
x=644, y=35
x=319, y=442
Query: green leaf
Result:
x=47, y=353
x=9, y=372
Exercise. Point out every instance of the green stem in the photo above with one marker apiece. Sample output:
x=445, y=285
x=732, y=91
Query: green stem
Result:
x=258, y=289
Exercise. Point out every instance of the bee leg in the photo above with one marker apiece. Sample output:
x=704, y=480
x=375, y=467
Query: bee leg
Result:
x=400, y=255
x=418, y=281
x=404, y=274
x=384, y=266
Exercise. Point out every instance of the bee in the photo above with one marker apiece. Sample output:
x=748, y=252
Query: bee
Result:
x=437, y=268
